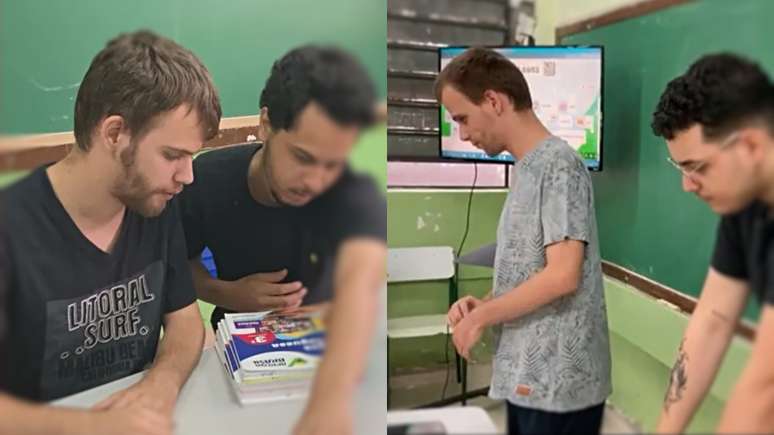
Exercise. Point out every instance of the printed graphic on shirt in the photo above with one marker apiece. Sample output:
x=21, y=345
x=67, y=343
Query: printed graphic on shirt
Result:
x=107, y=334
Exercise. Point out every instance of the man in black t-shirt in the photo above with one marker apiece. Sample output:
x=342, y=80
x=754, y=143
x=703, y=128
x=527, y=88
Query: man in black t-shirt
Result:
x=95, y=260
x=718, y=121
x=289, y=223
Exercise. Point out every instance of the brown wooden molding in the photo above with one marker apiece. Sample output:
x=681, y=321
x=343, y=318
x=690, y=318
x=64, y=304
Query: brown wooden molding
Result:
x=685, y=303
x=616, y=15
x=19, y=153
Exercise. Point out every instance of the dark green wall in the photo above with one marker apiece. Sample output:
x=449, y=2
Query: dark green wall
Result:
x=47, y=45
x=647, y=223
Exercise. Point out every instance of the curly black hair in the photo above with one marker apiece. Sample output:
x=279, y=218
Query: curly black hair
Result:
x=720, y=92
x=328, y=76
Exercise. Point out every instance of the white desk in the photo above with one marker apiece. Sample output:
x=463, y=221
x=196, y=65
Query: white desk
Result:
x=207, y=405
x=456, y=420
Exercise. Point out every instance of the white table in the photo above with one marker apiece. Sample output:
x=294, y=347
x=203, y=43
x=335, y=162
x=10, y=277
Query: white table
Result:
x=456, y=420
x=207, y=405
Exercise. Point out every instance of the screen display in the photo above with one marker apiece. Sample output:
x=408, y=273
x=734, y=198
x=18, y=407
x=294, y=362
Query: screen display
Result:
x=565, y=83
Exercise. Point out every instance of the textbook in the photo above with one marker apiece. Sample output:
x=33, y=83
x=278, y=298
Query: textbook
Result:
x=270, y=356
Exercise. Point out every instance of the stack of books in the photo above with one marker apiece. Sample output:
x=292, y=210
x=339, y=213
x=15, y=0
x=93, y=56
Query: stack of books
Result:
x=270, y=356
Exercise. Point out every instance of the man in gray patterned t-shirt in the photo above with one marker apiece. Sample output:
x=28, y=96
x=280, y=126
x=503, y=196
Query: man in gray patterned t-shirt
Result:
x=552, y=360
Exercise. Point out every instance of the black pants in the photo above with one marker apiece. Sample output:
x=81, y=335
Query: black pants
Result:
x=526, y=421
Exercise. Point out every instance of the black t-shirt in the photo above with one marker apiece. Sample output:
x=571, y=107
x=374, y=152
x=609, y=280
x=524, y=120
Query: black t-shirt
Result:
x=246, y=237
x=744, y=249
x=80, y=317
x=3, y=302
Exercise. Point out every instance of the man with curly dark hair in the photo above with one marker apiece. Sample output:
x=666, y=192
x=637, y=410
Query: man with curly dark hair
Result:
x=289, y=223
x=718, y=122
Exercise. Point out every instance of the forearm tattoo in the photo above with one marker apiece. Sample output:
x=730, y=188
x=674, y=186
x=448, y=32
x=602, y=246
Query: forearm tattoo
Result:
x=677, y=379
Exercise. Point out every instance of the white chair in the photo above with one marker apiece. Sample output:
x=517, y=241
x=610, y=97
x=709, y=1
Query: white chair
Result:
x=427, y=263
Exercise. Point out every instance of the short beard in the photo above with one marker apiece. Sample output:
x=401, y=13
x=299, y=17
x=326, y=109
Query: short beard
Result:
x=132, y=188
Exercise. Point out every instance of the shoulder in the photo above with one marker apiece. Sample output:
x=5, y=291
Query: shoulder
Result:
x=355, y=189
x=559, y=155
x=222, y=159
x=745, y=217
x=217, y=173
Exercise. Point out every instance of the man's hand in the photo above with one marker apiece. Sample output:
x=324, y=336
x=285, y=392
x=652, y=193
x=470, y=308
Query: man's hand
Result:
x=264, y=292
x=153, y=394
x=323, y=308
x=461, y=308
x=131, y=420
x=466, y=333
x=332, y=416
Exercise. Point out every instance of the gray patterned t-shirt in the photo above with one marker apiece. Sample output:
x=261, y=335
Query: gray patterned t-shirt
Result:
x=556, y=358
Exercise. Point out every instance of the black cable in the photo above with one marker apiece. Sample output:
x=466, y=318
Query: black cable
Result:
x=456, y=274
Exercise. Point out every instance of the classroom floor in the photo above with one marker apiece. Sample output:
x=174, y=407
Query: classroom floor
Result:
x=412, y=389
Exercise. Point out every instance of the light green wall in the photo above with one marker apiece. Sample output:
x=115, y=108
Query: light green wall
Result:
x=644, y=333
x=7, y=178
x=437, y=218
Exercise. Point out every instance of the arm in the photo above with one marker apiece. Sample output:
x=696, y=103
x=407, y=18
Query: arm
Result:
x=701, y=352
x=209, y=289
x=180, y=348
x=256, y=292
x=560, y=277
x=564, y=262
x=177, y=355
x=23, y=418
x=360, y=271
x=750, y=409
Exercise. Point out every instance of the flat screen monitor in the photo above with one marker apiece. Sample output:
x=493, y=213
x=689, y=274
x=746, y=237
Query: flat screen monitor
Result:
x=565, y=83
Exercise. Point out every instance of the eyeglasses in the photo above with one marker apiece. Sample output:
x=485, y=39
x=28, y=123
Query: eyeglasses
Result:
x=692, y=169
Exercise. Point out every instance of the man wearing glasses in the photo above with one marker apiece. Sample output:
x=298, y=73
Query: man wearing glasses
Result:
x=718, y=122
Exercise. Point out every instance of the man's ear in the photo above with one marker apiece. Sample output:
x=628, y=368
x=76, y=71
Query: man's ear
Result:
x=112, y=134
x=495, y=101
x=754, y=142
x=264, y=125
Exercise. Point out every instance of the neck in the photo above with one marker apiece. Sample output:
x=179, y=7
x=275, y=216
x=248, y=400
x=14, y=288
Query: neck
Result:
x=258, y=183
x=79, y=182
x=524, y=134
x=767, y=194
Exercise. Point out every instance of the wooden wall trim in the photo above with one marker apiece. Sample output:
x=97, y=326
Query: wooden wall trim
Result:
x=616, y=15
x=25, y=152
x=684, y=303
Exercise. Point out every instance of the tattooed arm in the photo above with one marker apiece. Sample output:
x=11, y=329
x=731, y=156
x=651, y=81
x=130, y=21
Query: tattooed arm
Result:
x=705, y=342
x=750, y=409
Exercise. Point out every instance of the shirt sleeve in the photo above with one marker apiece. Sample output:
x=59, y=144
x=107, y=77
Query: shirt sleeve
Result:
x=179, y=286
x=729, y=257
x=566, y=203
x=362, y=211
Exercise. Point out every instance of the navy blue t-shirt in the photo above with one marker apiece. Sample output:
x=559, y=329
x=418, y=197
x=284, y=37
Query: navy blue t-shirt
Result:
x=80, y=317
x=246, y=237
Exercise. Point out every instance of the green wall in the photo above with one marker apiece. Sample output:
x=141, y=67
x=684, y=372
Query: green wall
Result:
x=642, y=211
x=47, y=45
x=644, y=333
x=644, y=337
x=437, y=218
